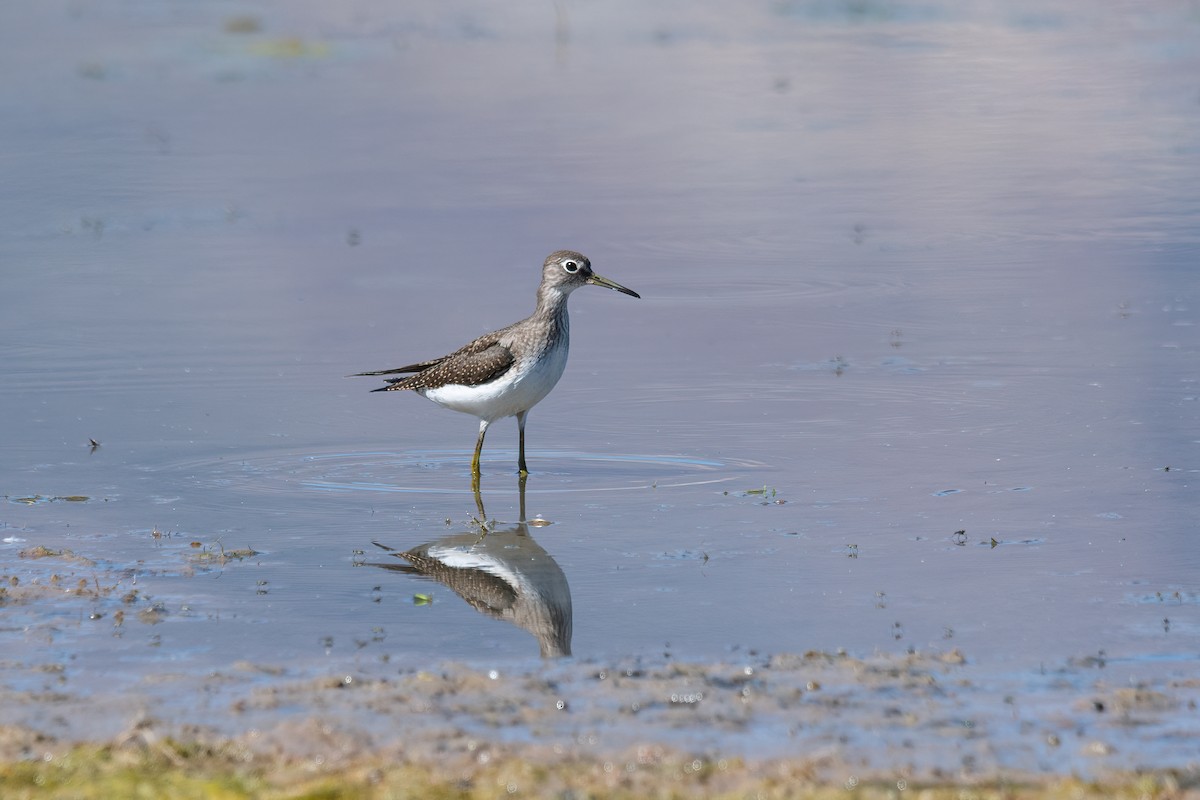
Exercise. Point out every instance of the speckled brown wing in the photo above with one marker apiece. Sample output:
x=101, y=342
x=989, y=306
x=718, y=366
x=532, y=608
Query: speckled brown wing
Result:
x=483, y=360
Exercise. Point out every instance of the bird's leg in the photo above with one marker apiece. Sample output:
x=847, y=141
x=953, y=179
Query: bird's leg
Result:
x=521, y=466
x=479, y=505
x=521, y=491
x=483, y=426
x=482, y=518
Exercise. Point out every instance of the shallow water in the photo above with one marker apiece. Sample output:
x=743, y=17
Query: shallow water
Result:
x=915, y=363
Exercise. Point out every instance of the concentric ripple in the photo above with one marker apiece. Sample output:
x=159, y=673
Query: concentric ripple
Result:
x=448, y=472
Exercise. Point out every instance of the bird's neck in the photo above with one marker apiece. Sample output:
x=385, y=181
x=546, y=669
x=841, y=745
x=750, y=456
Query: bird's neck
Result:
x=552, y=307
x=551, y=302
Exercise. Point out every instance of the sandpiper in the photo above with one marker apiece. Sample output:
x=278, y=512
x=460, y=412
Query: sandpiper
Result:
x=507, y=372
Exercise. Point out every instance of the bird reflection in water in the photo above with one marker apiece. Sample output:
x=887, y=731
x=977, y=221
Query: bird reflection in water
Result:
x=501, y=572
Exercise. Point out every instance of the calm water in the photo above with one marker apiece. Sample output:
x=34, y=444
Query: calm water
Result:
x=907, y=270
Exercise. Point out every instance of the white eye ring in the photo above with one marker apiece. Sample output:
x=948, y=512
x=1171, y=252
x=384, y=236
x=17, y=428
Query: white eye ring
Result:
x=571, y=267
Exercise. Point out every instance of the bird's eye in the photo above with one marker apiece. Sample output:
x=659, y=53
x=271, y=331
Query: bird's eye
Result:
x=571, y=266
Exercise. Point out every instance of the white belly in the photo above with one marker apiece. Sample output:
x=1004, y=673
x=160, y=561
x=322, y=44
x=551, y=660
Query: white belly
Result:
x=519, y=389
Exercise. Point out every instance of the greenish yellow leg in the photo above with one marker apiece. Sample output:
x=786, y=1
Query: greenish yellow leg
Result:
x=479, y=505
x=483, y=426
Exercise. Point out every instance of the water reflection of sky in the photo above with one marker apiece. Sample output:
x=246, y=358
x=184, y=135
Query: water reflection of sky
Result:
x=885, y=250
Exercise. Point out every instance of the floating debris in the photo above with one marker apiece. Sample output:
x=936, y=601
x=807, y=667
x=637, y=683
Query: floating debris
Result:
x=38, y=499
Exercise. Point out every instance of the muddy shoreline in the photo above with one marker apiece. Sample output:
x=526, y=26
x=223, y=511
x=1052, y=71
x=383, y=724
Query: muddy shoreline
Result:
x=832, y=719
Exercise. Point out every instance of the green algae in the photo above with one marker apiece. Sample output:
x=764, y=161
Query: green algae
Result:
x=228, y=771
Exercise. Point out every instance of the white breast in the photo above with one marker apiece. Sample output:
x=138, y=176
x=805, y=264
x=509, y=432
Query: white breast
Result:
x=519, y=389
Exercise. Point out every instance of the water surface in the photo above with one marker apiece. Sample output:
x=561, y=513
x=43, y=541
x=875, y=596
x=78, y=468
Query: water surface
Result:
x=915, y=365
